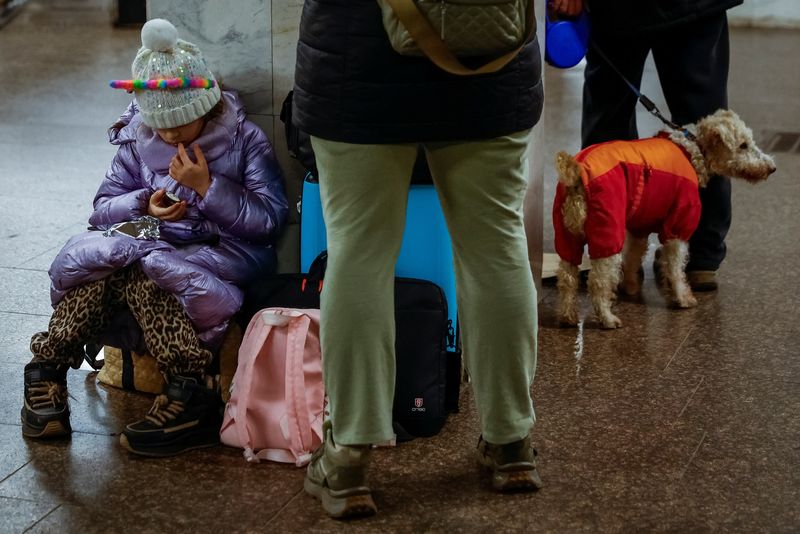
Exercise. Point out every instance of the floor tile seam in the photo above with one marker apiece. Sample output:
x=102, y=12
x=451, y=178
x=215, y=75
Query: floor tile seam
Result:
x=758, y=376
x=655, y=446
x=694, y=454
x=74, y=432
x=18, y=266
x=42, y=253
x=90, y=433
x=11, y=312
x=688, y=401
x=45, y=516
x=23, y=499
x=678, y=349
x=284, y=507
x=17, y=470
x=28, y=269
x=669, y=429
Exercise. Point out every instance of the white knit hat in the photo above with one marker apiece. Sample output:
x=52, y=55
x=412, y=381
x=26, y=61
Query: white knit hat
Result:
x=163, y=55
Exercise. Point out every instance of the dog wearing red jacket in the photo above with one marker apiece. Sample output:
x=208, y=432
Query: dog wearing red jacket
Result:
x=612, y=195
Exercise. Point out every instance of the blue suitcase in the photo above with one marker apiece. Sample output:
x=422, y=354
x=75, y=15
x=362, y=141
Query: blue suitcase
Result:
x=426, y=252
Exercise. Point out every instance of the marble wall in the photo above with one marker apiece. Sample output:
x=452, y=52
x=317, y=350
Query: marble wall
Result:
x=252, y=47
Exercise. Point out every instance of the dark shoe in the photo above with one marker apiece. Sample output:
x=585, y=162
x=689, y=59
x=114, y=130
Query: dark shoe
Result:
x=702, y=280
x=187, y=416
x=337, y=476
x=45, y=412
x=513, y=465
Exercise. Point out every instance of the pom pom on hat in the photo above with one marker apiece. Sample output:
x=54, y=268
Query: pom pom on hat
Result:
x=159, y=35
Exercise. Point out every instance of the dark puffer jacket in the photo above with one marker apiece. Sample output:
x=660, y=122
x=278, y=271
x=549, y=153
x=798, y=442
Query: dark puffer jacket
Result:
x=632, y=17
x=351, y=86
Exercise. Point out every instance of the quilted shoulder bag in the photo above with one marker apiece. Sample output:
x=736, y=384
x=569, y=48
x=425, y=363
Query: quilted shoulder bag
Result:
x=446, y=30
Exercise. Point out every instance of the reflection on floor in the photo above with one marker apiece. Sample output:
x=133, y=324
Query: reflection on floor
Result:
x=683, y=421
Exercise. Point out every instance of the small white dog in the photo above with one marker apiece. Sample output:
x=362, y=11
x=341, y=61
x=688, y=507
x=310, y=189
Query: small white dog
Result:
x=636, y=188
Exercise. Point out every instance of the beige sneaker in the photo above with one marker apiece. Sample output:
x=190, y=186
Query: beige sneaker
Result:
x=513, y=465
x=702, y=280
x=337, y=476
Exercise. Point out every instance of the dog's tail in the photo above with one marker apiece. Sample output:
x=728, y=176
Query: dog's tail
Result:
x=569, y=172
x=574, y=208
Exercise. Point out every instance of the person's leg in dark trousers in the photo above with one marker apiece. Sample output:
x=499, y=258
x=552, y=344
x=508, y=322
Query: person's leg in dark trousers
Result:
x=692, y=62
x=609, y=105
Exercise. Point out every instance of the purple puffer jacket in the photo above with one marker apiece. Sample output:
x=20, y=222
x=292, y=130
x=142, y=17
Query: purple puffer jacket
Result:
x=224, y=240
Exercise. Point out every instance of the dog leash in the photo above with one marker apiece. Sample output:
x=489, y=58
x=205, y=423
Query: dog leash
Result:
x=646, y=102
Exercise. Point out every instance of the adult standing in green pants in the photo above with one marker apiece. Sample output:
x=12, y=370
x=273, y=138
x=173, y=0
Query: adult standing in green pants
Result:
x=368, y=109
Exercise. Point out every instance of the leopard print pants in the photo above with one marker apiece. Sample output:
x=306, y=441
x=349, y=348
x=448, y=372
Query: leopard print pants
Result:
x=84, y=312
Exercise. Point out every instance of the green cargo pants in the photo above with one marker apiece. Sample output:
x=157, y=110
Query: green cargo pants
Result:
x=481, y=186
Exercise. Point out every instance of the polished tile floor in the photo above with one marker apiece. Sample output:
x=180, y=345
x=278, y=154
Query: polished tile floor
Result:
x=680, y=422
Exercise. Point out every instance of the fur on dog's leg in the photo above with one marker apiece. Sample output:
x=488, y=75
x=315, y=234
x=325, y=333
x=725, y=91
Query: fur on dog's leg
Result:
x=568, y=282
x=660, y=269
x=603, y=281
x=675, y=255
x=632, y=254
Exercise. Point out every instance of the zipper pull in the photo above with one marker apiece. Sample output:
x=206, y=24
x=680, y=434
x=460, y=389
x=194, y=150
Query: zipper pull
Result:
x=451, y=335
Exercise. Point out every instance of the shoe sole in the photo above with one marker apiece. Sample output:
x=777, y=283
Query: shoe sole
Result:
x=357, y=504
x=702, y=287
x=162, y=452
x=509, y=478
x=516, y=481
x=53, y=429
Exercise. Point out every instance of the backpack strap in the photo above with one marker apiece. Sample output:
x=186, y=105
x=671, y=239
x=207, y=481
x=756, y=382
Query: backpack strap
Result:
x=429, y=42
x=299, y=425
x=254, y=338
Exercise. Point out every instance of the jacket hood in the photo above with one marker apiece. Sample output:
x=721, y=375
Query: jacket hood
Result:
x=217, y=137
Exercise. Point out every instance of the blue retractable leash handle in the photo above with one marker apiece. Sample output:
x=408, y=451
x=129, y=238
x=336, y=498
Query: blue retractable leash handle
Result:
x=566, y=40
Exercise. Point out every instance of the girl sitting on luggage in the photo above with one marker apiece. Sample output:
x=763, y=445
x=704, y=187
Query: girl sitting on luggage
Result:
x=202, y=195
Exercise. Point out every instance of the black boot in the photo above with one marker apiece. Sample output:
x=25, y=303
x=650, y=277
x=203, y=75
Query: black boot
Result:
x=187, y=416
x=45, y=412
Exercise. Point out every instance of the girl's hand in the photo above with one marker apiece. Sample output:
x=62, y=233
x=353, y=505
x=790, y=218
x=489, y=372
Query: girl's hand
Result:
x=568, y=8
x=172, y=213
x=195, y=175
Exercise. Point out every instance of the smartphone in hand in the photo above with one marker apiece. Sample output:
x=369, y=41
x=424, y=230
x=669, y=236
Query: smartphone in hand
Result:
x=169, y=199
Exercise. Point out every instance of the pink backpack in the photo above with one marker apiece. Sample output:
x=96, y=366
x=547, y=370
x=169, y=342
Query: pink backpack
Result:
x=277, y=399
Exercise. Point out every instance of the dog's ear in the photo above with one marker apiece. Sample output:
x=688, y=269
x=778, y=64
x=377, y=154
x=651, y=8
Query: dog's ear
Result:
x=718, y=129
x=726, y=114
